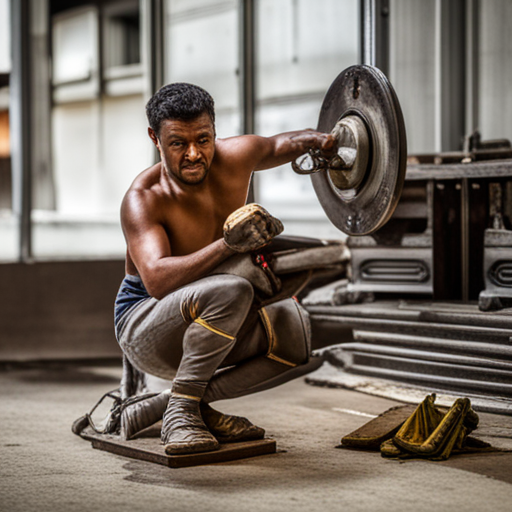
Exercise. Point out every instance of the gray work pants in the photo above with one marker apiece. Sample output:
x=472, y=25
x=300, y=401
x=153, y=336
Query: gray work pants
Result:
x=207, y=333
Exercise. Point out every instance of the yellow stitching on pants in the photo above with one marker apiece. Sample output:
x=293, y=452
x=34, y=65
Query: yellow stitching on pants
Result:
x=182, y=311
x=268, y=329
x=192, y=309
x=188, y=311
x=279, y=360
x=211, y=328
x=271, y=339
x=181, y=395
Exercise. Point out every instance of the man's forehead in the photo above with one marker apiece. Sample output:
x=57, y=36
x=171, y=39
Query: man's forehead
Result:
x=200, y=124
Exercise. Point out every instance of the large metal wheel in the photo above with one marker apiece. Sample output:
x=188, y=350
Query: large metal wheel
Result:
x=364, y=93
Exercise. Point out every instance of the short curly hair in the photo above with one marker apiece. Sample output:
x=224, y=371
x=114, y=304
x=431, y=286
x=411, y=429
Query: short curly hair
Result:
x=178, y=101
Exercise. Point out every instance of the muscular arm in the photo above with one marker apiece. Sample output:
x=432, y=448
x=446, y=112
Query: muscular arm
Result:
x=150, y=250
x=285, y=147
x=255, y=153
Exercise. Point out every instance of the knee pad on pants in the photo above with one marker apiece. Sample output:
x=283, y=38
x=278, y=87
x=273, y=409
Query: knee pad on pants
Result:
x=288, y=332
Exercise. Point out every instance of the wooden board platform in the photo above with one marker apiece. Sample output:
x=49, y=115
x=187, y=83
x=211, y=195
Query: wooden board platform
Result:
x=150, y=449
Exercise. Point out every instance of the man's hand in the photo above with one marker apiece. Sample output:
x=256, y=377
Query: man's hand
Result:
x=326, y=143
x=250, y=227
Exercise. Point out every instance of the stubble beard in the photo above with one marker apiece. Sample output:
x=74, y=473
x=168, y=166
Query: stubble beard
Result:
x=179, y=176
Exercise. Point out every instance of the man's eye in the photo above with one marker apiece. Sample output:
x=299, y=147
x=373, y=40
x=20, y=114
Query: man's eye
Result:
x=204, y=141
x=176, y=144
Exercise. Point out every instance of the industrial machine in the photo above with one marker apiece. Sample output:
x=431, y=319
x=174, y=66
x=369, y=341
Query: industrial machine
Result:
x=430, y=238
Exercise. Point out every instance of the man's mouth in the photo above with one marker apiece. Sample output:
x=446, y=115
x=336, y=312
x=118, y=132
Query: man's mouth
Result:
x=193, y=167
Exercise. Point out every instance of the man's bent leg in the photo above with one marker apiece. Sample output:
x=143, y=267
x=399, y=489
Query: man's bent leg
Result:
x=256, y=370
x=215, y=314
x=192, y=329
x=215, y=310
x=250, y=343
x=286, y=327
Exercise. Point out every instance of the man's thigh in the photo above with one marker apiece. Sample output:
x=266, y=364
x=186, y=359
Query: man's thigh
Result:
x=153, y=335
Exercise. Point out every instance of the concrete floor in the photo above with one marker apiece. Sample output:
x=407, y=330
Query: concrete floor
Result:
x=46, y=468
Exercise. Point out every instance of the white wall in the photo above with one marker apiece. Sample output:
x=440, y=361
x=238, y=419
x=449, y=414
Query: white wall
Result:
x=201, y=47
x=5, y=36
x=413, y=69
x=302, y=46
x=495, y=76
x=99, y=144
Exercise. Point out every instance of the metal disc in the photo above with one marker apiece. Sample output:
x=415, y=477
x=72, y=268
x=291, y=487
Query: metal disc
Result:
x=354, y=148
x=365, y=91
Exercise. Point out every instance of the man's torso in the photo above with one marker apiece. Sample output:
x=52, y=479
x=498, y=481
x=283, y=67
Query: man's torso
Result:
x=193, y=219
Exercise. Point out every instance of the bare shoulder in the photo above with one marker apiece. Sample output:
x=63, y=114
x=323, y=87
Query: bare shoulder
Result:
x=143, y=198
x=243, y=151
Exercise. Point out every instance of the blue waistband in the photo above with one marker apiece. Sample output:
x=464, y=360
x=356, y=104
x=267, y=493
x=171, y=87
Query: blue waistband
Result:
x=131, y=292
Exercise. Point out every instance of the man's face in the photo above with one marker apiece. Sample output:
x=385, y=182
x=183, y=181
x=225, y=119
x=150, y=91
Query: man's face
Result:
x=186, y=148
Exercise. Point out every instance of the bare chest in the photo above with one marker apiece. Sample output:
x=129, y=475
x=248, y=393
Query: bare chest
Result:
x=192, y=226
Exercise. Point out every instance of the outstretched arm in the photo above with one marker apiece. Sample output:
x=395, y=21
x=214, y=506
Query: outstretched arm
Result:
x=248, y=153
x=285, y=147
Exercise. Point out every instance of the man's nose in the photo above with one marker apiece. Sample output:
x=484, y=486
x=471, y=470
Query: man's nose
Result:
x=192, y=152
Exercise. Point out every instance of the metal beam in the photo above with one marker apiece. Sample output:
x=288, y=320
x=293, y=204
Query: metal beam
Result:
x=450, y=74
x=472, y=19
x=157, y=44
x=152, y=14
x=20, y=121
x=375, y=34
x=247, y=65
x=43, y=180
x=152, y=33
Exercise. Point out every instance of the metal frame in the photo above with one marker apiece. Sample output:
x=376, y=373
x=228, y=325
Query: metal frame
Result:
x=247, y=64
x=43, y=183
x=152, y=53
x=153, y=11
x=21, y=139
x=472, y=65
x=374, y=16
x=247, y=35
x=450, y=70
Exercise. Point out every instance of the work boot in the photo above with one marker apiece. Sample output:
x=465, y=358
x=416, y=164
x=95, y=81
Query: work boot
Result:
x=142, y=412
x=183, y=429
x=229, y=429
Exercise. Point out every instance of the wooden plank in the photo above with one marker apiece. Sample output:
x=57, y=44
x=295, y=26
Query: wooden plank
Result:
x=372, y=434
x=150, y=449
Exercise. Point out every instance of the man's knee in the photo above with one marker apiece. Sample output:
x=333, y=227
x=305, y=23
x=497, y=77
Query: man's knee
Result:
x=218, y=296
x=288, y=332
x=228, y=290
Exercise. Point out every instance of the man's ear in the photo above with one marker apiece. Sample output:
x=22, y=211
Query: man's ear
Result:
x=153, y=137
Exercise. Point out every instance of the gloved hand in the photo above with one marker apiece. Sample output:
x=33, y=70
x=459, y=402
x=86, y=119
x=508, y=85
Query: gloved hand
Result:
x=250, y=228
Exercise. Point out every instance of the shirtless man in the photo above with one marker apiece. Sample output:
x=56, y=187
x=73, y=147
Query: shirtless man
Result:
x=172, y=317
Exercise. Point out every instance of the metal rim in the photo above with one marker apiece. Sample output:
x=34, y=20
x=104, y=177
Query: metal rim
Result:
x=348, y=182
x=365, y=91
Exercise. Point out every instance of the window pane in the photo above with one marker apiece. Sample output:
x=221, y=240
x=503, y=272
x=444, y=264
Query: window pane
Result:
x=123, y=39
x=300, y=51
x=413, y=69
x=303, y=45
x=75, y=46
x=99, y=145
x=495, y=69
x=201, y=43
